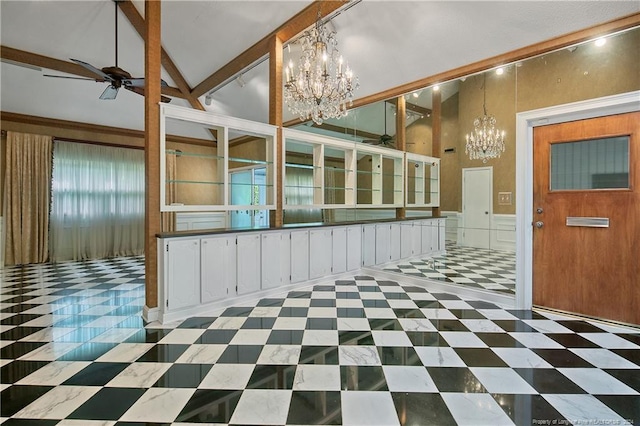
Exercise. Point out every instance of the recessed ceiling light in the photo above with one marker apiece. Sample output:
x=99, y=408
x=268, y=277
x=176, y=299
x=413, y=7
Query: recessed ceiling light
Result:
x=600, y=42
x=416, y=94
x=500, y=71
x=436, y=88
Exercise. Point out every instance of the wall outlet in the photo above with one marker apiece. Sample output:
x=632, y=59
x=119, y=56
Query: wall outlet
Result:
x=504, y=198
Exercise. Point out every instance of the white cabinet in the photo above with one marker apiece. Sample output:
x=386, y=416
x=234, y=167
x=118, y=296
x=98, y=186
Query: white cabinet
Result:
x=320, y=253
x=183, y=273
x=299, y=256
x=339, y=250
x=218, y=279
x=354, y=247
x=382, y=243
x=368, y=245
x=441, y=235
x=416, y=238
x=273, y=261
x=406, y=239
x=425, y=230
x=435, y=239
x=395, y=242
x=248, y=263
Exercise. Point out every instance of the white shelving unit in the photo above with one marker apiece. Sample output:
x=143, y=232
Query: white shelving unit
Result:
x=423, y=181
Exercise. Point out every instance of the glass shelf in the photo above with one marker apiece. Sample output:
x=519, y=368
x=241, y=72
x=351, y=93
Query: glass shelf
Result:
x=248, y=161
x=193, y=154
x=301, y=166
x=301, y=186
x=203, y=182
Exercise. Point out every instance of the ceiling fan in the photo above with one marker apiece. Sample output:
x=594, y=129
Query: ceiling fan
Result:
x=115, y=76
x=385, y=139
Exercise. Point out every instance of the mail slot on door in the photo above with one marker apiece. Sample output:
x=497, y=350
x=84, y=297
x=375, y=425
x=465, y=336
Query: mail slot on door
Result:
x=589, y=222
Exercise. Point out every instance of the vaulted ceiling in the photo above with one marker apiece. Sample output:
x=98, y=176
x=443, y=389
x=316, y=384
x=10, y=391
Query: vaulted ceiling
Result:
x=208, y=43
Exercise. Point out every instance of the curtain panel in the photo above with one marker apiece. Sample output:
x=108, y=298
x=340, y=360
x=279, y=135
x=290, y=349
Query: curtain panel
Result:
x=97, y=208
x=26, y=198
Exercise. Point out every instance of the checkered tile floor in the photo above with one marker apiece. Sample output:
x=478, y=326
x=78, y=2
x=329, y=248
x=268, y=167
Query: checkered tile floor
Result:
x=359, y=351
x=472, y=267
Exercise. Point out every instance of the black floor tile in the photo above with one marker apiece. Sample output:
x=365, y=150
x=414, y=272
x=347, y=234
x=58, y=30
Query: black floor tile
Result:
x=627, y=406
x=89, y=351
x=183, y=376
x=16, y=397
x=29, y=422
x=523, y=314
x=322, y=324
x=273, y=303
x=363, y=378
x=499, y=340
x=323, y=303
x=455, y=379
x=426, y=338
x=355, y=338
x=16, y=370
x=163, y=353
x=580, y=326
x=240, y=354
x=148, y=335
x=467, y=314
x=480, y=357
x=632, y=355
x=375, y=303
x=347, y=295
x=257, y=323
x=17, y=349
x=562, y=358
x=210, y=406
x=629, y=377
x=321, y=407
x=293, y=311
x=548, y=380
x=529, y=409
x=18, y=319
x=408, y=313
x=448, y=325
x=272, y=377
x=385, y=324
x=429, y=304
x=515, y=326
x=572, y=340
x=351, y=313
x=285, y=337
x=97, y=374
x=211, y=337
x=424, y=409
x=322, y=355
x=237, y=311
x=108, y=404
x=18, y=333
x=398, y=355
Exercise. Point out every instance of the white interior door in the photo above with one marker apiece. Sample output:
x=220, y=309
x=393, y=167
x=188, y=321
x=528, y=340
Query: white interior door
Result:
x=476, y=206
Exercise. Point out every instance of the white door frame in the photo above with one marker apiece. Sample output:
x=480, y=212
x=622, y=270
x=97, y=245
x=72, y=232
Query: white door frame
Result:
x=525, y=122
x=464, y=214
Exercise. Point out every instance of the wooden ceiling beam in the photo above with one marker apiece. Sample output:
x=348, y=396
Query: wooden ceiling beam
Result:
x=260, y=49
x=138, y=23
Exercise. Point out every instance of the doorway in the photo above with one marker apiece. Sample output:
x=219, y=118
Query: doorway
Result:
x=477, y=188
x=586, y=199
x=248, y=187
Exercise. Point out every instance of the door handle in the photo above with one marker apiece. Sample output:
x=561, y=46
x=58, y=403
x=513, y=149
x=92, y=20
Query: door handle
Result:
x=539, y=224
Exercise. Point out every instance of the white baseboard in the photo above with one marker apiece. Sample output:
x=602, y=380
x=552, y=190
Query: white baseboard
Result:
x=150, y=314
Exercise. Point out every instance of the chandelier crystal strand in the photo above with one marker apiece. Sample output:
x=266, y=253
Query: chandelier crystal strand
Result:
x=321, y=86
x=486, y=141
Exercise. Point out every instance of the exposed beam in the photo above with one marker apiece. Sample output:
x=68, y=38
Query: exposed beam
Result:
x=29, y=58
x=137, y=21
x=260, y=50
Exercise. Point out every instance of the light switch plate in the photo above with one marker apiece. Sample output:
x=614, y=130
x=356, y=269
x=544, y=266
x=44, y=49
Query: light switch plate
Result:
x=504, y=198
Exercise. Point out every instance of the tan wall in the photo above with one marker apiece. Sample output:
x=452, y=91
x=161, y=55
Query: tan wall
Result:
x=199, y=169
x=450, y=174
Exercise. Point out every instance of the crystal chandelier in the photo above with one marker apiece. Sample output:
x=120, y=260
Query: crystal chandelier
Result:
x=320, y=87
x=486, y=141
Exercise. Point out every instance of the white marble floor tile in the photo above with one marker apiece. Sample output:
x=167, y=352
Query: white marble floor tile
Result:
x=279, y=354
x=296, y=303
x=596, y=381
x=402, y=378
x=317, y=378
x=158, y=405
x=107, y=321
x=201, y=354
x=49, y=334
x=50, y=351
x=322, y=312
x=481, y=326
x=421, y=296
x=372, y=295
x=262, y=406
x=228, y=323
x=390, y=338
x=438, y=356
x=437, y=313
x=536, y=340
x=521, y=358
x=349, y=303
x=227, y=376
x=139, y=375
x=497, y=314
x=58, y=403
x=45, y=320
x=358, y=324
x=53, y=373
x=250, y=337
x=290, y=323
x=126, y=352
x=265, y=312
x=416, y=324
x=402, y=304
x=547, y=326
x=462, y=339
x=74, y=422
x=583, y=409
x=456, y=304
x=114, y=335
x=320, y=338
x=368, y=408
x=502, y=380
x=379, y=313
x=182, y=336
x=475, y=409
x=358, y=355
x=609, y=341
x=99, y=310
x=603, y=358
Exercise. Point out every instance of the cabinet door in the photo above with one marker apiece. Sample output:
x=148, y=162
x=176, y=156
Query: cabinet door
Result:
x=406, y=240
x=248, y=252
x=271, y=259
x=416, y=238
x=368, y=245
x=339, y=250
x=394, y=241
x=218, y=268
x=320, y=253
x=382, y=243
x=442, y=229
x=425, y=226
x=354, y=247
x=183, y=273
x=435, y=237
x=299, y=256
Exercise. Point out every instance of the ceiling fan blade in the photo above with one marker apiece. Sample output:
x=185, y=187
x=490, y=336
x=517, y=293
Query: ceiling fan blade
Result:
x=140, y=91
x=133, y=82
x=109, y=93
x=96, y=71
x=66, y=76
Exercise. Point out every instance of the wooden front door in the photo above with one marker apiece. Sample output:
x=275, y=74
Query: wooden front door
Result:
x=586, y=201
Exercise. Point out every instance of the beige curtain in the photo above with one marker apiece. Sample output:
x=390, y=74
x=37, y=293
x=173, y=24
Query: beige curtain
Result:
x=169, y=218
x=26, y=198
